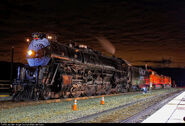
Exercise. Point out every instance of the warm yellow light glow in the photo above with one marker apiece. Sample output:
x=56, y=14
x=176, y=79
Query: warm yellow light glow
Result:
x=28, y=40
x=49, y=37
x=30, y=52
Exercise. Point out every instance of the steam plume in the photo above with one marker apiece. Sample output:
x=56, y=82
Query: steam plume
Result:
x=107, y=45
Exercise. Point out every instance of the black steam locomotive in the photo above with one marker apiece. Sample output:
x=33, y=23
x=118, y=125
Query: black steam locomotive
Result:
x=69, y=70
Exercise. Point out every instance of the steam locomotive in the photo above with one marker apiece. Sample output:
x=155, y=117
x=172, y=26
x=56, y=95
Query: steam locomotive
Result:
x=57, y=70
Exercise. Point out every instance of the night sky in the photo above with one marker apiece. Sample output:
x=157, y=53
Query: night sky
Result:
x=142, y=31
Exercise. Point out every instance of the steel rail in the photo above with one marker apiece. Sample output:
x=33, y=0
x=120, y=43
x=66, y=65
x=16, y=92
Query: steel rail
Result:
x=150, y=109
x=112, y=109
x=4, y=84
x=6, y=100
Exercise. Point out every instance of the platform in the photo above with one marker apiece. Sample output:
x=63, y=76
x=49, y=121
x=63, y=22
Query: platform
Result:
x=172, y=112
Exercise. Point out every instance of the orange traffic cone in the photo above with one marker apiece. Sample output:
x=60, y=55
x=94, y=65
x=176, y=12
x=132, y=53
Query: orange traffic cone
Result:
x=102, y=100
x=75, y=105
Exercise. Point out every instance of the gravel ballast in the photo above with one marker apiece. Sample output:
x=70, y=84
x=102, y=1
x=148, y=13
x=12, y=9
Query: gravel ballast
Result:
x=62, y=111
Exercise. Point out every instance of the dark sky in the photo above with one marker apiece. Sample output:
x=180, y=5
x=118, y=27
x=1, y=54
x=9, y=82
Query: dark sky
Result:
x=142, y=31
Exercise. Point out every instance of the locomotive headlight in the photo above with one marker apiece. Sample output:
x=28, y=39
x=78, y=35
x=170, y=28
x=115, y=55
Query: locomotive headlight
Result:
x=30, y=52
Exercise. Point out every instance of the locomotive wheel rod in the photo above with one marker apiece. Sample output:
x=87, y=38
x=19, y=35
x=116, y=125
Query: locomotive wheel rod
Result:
x=54, y=74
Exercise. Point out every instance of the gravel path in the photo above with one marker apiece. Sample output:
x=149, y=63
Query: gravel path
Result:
x=62, y=111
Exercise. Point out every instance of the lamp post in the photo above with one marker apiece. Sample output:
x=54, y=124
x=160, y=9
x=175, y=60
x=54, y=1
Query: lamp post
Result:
x=11, y=68
x=150, y=87
x=150, y=83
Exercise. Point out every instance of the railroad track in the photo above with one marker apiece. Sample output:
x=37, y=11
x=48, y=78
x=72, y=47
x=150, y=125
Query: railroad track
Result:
x=140, y=116
x=8, y=103
x=4, y=84
x=132, y=117
x=4, y=88
x=67, y=99
x=61, y=112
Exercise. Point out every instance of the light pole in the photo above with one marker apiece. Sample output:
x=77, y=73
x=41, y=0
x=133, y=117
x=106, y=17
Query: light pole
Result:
x=11, y=69
x=150, y=87
x=150, y=82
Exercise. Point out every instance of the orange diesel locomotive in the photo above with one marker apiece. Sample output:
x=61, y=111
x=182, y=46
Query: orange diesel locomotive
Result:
x=157, y=81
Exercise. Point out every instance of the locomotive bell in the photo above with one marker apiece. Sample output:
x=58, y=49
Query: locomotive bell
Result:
x=38, y=35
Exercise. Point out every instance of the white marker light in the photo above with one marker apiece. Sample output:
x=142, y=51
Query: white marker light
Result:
x=49, y=37
x=27, y=40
